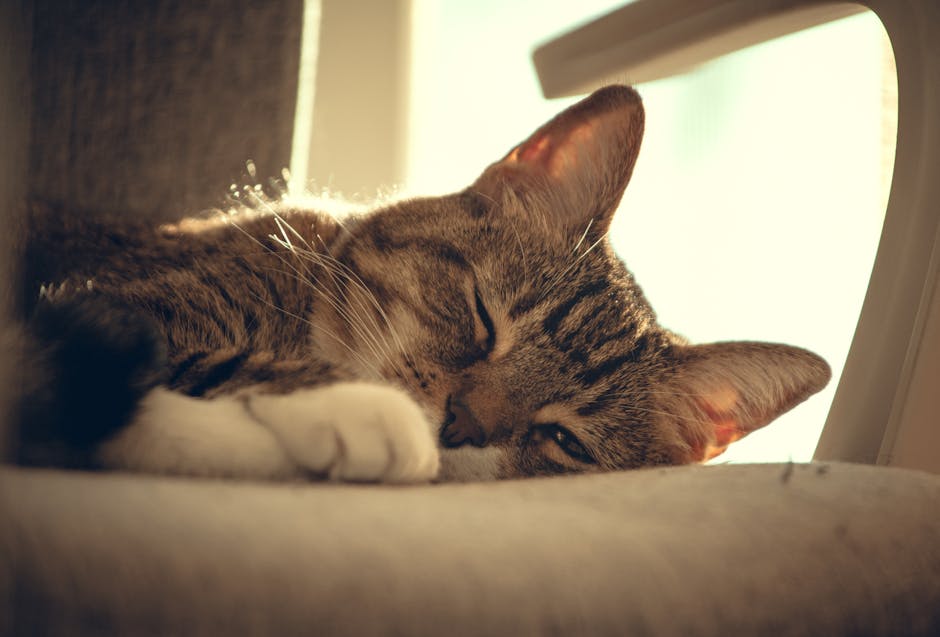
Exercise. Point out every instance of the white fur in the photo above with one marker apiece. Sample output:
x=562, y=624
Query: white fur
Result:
x=347, y=431
x=173, y=433
x=353, y=431
x=471, y=464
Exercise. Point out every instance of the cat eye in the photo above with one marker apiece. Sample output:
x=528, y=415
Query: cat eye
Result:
x=487, y=322
x=567, y=442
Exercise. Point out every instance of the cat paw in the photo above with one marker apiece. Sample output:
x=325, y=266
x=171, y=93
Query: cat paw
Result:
x=358, y=432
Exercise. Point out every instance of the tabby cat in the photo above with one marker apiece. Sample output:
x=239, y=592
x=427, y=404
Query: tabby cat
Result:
x=491, y=333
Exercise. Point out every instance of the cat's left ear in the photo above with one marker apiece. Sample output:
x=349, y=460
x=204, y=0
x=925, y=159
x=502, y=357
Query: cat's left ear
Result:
x=575, y=168
x=720, y=392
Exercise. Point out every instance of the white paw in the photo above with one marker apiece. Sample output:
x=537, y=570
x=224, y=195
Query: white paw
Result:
x=353, y=431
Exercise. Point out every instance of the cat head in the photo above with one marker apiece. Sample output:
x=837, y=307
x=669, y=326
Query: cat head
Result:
x=504, y=311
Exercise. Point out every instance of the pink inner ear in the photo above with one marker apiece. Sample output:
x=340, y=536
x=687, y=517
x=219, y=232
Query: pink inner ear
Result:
x=553, y=154
x=536, y=153
x=721, y=422
x=536, y=150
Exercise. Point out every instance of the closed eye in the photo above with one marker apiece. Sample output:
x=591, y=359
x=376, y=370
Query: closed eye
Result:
x=562, y=439
x=489, y=339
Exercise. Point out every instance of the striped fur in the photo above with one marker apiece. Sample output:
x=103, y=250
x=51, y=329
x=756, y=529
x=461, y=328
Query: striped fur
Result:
x=501, y=311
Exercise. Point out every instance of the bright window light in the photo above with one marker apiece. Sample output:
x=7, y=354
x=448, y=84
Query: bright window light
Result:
x=757, y=203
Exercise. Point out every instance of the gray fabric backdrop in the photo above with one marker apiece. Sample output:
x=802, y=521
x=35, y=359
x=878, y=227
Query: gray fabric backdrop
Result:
x=147, y=108
x=152, y=107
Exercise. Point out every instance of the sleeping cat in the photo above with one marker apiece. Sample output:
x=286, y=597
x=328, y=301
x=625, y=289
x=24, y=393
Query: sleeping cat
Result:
x=491, y=333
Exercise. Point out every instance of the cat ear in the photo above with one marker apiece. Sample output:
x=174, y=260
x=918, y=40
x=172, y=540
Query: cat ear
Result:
x=574, y=168
x=721, y=392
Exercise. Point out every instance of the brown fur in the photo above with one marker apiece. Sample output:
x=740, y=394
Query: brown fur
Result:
x=290, y=298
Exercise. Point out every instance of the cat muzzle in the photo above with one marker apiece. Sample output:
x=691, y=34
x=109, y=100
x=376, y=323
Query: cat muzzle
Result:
x=462, y=426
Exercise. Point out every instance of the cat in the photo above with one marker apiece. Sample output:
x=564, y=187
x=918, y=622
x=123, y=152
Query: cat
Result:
x=492, y=333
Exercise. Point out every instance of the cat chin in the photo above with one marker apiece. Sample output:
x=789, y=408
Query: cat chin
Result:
x=471, y=464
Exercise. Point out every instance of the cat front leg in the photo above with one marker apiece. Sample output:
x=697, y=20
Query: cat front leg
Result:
x=352, y=431
x=175, y=434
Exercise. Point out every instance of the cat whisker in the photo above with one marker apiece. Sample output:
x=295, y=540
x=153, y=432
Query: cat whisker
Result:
x=372, y=340
x=593, y=245
x=376, y=336
x=330, y=262
x=351, y=319
x=554, y=282
x=327, y=332
x=290, y=248
x=583, y=236
x=265, y=248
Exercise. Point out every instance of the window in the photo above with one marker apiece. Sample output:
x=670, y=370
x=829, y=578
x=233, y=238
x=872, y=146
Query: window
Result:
x=758, y=200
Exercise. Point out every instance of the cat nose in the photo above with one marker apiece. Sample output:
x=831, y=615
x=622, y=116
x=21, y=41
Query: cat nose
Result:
x=462, y=426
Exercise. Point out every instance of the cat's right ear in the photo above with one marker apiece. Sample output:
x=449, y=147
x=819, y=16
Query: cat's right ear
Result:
x=573, y=170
